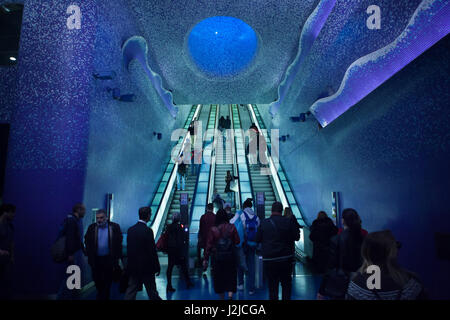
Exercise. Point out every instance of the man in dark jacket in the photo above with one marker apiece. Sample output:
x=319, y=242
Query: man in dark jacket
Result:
x=72, y=229
x=277, y=235
x=103, y=242
x=207, y=221
x=177, y=248
x=143, y=263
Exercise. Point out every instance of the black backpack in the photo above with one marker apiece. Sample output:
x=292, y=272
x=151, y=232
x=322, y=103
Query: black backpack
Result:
x=224, y=249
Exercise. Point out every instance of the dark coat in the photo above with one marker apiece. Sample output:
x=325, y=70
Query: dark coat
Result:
x=322, y=230
x=207, y=221
x=73, y=231
x=228, y=180
x=141, y=249
x=115, y=238
x=176, y=241
x=277, y=240
x=350, y=250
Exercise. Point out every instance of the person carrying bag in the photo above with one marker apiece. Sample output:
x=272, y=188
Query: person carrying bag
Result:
x=335, y=282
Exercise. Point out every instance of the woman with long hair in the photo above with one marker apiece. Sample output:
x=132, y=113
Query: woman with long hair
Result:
x=345, y=249
x=380, y=249
x=321, y=232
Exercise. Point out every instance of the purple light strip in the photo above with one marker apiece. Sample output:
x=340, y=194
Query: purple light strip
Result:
x=309, y=34
x=136, y=48
x=429, y=24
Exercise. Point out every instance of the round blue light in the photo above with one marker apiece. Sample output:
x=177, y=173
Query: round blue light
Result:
x=222, y=46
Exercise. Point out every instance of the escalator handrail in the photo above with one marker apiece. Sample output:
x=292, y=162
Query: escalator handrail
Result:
x=212, y=167
x=235, y=158
x=156, y=223
x=246, y=158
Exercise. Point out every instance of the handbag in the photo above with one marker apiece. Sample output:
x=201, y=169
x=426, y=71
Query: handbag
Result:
x=163, y=244
x=336, y=281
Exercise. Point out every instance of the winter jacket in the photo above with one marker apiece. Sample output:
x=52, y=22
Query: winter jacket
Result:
x=276, y=235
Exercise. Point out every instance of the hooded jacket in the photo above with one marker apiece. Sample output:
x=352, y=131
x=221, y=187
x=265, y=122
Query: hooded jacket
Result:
x=250, y=213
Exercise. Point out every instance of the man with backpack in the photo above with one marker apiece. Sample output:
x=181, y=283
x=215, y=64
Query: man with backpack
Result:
x=250, y=222
x=240, y=255
x=277, y=235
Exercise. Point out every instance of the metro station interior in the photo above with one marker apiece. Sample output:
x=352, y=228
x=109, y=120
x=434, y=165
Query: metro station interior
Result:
x=352, y=98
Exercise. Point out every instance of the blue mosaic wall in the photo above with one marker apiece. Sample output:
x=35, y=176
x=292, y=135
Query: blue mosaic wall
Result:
x=8, y=76
x=49, y=135
x=124, y=157
x=388, y=157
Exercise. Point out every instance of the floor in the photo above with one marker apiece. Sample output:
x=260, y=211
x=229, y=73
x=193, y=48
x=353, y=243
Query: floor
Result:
x=304, y=287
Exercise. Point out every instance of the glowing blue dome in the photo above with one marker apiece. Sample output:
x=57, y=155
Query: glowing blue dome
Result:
x=222, y=46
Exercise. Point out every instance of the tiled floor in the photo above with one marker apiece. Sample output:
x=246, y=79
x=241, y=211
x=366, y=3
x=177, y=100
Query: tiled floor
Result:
x=305, y=286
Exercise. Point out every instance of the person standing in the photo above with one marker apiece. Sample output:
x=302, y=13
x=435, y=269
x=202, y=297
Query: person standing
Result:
x=207, y=221
x=229, y=180
x=222, y=239
x=345, y=250
x=277, y=235
x=72, y=229
x=103, y=241
x=143, y=263
x=381, y=249
x=181, y=174
x=177, y=248
x=250, y=223
x=322, y=230
x=240, y=254
x=7, y=214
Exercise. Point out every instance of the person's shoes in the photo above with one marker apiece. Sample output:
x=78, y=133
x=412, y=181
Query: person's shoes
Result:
x=240, y=287
x=170, y=289
x=251, y=292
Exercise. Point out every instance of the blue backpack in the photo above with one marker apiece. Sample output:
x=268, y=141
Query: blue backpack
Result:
x=251, y=226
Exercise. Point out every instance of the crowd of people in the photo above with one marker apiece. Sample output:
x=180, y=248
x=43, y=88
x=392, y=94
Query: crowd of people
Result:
x=230, y=244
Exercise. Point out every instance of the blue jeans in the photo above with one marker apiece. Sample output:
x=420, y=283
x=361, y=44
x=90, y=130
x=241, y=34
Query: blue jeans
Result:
x=250, y=256
x=181, y=179
x=241, y=264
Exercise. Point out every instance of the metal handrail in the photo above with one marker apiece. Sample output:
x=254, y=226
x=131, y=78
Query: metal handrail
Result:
x=235, y=159
x=156, y=224
x=212, y=169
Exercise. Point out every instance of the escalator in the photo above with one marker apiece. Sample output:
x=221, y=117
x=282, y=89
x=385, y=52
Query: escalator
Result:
x=259, y=182
x=224, y=160
x=191, y=180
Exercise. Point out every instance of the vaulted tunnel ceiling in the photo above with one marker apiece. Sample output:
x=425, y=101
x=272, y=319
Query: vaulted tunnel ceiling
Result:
x=340, y=38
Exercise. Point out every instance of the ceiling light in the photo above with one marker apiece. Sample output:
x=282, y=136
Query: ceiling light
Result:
x=12, y=58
